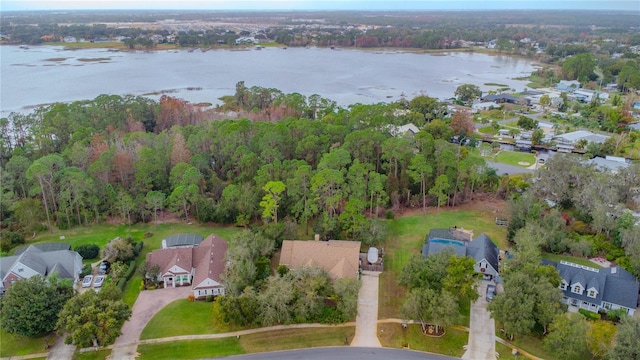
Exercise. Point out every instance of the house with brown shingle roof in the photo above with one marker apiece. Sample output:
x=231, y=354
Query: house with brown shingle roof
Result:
x=339, y=258
x=199, y=266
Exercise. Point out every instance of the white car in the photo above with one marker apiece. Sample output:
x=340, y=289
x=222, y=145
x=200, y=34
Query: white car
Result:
x=87, y=281
x=98, y=282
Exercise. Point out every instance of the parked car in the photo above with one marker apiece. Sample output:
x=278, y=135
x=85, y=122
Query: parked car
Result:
x=87, y=281
x=99, y=281
x=491, y=292
x=104, y=267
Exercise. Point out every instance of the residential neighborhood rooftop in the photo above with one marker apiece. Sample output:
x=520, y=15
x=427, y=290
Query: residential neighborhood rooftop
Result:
x=339, y=258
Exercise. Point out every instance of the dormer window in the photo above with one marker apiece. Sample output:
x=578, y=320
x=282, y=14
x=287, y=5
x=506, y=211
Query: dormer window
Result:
x=563, y=285
x=577, y=289
x=592, y=292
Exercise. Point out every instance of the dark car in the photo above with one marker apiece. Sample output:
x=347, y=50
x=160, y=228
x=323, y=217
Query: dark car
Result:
x=491, y=292
x=104, y=267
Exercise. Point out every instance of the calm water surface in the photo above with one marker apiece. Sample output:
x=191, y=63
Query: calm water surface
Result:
x=46, y=74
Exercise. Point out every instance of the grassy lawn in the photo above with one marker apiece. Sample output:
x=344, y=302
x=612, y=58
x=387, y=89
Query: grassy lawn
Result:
x=92, y=355
x=515, y=158
x=572, y=259
x=260, y=342
x=15, y=345
x=191, y=349
x=406, y=237
x=488, y=130
x=186, y=318
x=504, y=351
x=297, y=339
x=392, y=335
x=530, y=344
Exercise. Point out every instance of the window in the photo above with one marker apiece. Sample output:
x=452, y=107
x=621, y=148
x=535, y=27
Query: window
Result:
x=607, y=306
x=20, y=269
x=577, y=289
x=592, y=293
x=563, y=285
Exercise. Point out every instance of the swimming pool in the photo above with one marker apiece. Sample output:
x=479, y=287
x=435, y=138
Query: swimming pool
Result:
x=446, y=242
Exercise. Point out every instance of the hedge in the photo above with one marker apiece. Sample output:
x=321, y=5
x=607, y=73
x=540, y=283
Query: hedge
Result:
x=123, y=282
x=88, y=251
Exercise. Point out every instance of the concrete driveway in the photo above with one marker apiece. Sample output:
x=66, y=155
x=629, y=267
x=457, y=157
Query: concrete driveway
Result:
x=149, y=302
x=367, y=319
x=482, y=329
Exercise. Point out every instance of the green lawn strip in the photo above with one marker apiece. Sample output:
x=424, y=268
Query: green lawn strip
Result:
x=191, y=349
x=488, y=130
x=297, y=339
x=92, y=355
x=392, y=335
x=504, y=351
x=571, y=259
x=515, y=158
x=132, y=290
x=465, y=312
x=186, y=318
x=533, y=345
x=16, y=345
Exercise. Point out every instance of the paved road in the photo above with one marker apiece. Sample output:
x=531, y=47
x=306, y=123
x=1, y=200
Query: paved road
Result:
x=367, y=319
x=482, y=329
x=351, y=353
x=148, y=304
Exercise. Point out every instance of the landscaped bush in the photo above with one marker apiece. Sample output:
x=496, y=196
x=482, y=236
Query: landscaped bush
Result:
x=138, y=248
x=589, y=315
x=88, y=251
x=10, y=240
x=130, y=270
x=209, y=298
x=86, y=270
x=122, y=283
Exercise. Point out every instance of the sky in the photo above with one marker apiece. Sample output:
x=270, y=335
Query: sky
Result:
x=628, y=5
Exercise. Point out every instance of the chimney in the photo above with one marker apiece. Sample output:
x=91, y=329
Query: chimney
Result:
x=316, y=237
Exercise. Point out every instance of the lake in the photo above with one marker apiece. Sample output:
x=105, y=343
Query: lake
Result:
x=45, y=74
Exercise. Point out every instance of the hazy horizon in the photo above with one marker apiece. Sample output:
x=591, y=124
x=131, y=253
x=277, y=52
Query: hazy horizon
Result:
x=283, y=5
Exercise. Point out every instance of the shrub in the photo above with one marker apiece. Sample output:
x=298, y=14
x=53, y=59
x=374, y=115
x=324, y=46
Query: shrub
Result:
x=138, y=248
x=122, y=283
x=209, y=298
x=191, y=297
x=10, y=239
x=389, y=215
x=86, y=270
x=589, y=315
x=130, y=270
x=616, y=315
x=88, y=251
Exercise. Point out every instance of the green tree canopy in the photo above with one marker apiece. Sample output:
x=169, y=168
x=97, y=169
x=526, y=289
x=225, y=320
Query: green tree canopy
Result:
x=30, y=307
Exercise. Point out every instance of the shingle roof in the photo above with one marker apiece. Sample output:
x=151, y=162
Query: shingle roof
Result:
x=207, y=258
x=44, y=260
x=46, y=247
x=482, y=247
x=339, y=258
x=479, y=248
x=614, y=285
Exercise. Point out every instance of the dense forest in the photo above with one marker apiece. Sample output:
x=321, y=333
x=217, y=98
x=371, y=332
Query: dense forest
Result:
x=336, y=170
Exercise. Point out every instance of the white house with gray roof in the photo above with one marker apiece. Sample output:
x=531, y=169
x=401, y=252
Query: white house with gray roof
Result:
x=40, y=259
x=594, y=289
x=481, y=249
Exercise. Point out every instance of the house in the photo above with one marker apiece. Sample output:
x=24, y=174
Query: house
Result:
x=612, y=164
x=481, y=249
x=409, y=130
x=566, y=142
x=568, y=85
x=199, y=265
x=587, y=96
x=40, y=259
x=593, y=289
x=482, y=106
x=338, y=258
x=505, y=98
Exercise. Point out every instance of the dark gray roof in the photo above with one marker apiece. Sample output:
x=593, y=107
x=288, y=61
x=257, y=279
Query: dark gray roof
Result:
x=483, y=248
x=52, y=246
x=183, y=240
x=500, y=97
x=479, y=248
x=614, y=285
x=43, y=262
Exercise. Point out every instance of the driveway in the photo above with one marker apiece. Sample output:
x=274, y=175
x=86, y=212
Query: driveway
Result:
x=149, y=302
x=367, y=319
x=482, y=329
